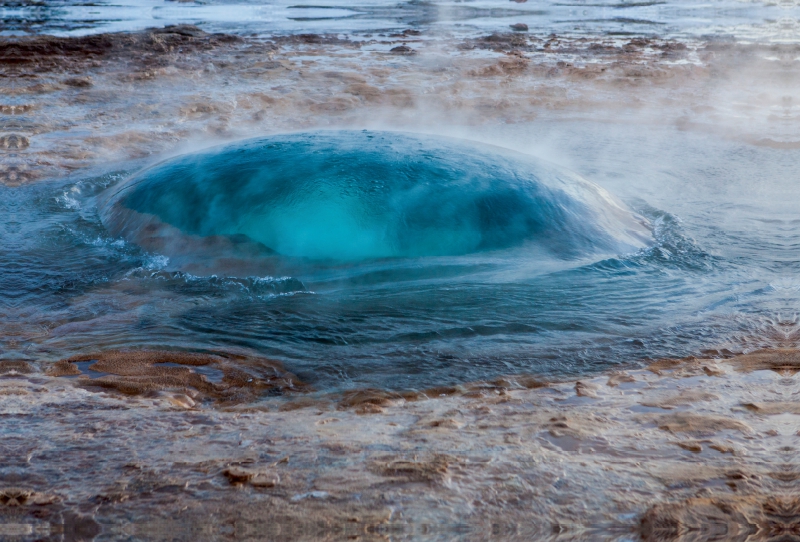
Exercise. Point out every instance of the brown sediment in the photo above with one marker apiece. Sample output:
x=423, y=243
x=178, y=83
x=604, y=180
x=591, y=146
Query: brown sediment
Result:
x=255, y=477
x=247, y=379
x=137, y=372
x=722, y=448
x=688, y=422
x=584, y=389
x=429, y=470
x=520, y=381
x=542, y=460
x=63, y=368
x=772, y=408
x=563, y=425
x=693, y=446
x=685, y=398
x=43, y=53
x=305, y=402
x=191, y=85
x=786, y=361
x=619, y=378
x=371, y=397
x=15, y=367
x=781, y=360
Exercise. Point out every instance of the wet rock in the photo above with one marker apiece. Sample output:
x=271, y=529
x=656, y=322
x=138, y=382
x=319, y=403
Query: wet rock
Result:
x=178, y=400
x=688, y=422
x=78, y=82
x=141, y=372
x=685, y=367
x=519, y=27
x=586, y=389
x=369, y=409
x=447, y=423
x=373, y=397
x=529, y=382
x=50, y=52
x=722, y=448
x=563, y=426
x=619, y=378
x=432, y=470
x=63, y=368
x=310, y=495
x=15, y=367
x=782, y=361
x=304, y=402
x=8, y=109
x=691, y=445
x=238, y=475
x=402, y=50
x=182, y=30
x=510, y=66
x=685, y=398
x=772, y=408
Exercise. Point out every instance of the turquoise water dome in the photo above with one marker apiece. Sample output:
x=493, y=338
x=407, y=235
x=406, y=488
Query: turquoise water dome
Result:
x=350, y=196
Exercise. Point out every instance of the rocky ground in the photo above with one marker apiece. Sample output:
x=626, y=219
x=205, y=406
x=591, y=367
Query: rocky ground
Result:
x=72, y=103
x=697, y=449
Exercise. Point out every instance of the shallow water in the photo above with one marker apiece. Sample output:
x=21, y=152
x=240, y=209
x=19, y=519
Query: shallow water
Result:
x=748, y=20
x=722, y=275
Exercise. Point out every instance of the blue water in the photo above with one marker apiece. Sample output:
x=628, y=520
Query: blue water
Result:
x=346, y=196
x=160, y=257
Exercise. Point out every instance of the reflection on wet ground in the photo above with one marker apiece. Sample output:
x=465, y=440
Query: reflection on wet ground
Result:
x=762, y=21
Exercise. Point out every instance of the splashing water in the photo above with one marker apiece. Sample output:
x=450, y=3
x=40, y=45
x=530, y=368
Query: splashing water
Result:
x=354, y=196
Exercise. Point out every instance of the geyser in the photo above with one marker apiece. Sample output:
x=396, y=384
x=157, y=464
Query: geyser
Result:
x=345, y=196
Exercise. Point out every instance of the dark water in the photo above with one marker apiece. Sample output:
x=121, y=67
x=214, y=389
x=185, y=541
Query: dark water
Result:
x=722, y=274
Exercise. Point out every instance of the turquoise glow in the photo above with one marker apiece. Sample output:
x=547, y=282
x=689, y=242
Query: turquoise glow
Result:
x=352, y=196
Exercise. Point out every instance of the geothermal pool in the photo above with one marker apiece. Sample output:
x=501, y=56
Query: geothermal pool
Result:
x=225, y=243
x=402, y=260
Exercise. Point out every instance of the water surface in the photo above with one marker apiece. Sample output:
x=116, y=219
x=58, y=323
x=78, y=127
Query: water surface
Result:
x=747, y=20
x=721, y=275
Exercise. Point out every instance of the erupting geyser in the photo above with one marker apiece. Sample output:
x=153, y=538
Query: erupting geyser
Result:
x=347, y=196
